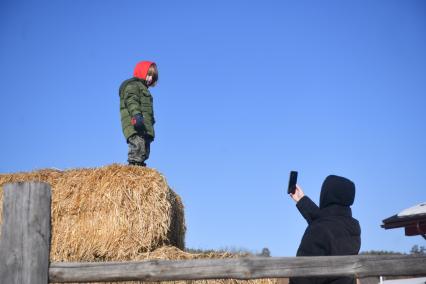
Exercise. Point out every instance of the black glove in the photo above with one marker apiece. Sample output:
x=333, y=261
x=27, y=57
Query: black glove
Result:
x=137, y=122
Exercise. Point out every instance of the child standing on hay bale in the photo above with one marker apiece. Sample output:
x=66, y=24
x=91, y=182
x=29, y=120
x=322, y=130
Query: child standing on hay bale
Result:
x=137, y=113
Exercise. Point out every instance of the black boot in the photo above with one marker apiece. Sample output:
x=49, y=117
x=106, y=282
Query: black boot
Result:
x=134, y=163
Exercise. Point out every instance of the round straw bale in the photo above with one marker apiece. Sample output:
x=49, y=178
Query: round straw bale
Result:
x=173, y=253
x=111, y=213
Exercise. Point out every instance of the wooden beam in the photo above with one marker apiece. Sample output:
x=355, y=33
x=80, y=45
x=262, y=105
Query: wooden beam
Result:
x=239, y=268
x=415, y=229
x=25, y=236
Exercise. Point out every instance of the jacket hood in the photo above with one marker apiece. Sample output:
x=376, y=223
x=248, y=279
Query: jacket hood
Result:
x=141, y=69
x=337, y=190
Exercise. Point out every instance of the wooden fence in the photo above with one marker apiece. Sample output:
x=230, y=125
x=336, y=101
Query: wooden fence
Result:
x=25, y=241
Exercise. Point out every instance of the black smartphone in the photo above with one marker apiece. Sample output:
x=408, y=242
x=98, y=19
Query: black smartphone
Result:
x=292, y=182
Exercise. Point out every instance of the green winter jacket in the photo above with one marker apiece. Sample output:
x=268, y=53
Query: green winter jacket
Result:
x=135, y=98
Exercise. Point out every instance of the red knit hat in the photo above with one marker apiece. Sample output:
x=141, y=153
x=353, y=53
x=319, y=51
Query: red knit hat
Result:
x=141, y=69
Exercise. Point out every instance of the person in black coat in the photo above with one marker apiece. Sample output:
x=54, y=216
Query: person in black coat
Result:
x=331, y=228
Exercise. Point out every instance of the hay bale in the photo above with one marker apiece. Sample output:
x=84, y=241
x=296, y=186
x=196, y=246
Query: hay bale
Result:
x=111, y=213
x=117, y=213
x=173, y=253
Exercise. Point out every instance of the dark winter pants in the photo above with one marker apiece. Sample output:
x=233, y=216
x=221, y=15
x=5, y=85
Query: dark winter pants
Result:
x=139, y=148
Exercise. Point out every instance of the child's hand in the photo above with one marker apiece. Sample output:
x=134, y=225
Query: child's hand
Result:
x=298, y=194
x=137, y=122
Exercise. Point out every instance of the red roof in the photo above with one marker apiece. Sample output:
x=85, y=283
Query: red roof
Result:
x=412, y=219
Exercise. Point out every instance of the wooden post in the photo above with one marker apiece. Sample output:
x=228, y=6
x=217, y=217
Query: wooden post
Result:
x=25, y=237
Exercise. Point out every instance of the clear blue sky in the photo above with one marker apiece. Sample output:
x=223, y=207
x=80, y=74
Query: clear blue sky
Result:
x=248, y=91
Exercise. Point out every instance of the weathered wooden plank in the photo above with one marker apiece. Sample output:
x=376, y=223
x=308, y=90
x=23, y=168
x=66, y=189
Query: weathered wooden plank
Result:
x=240, y=268
x=25, y=237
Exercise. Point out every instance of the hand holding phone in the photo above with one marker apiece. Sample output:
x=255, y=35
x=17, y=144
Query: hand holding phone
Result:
x=298, y=194
x=292, y=182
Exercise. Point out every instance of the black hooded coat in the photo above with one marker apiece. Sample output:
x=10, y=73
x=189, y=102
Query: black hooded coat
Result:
x=331, y=228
